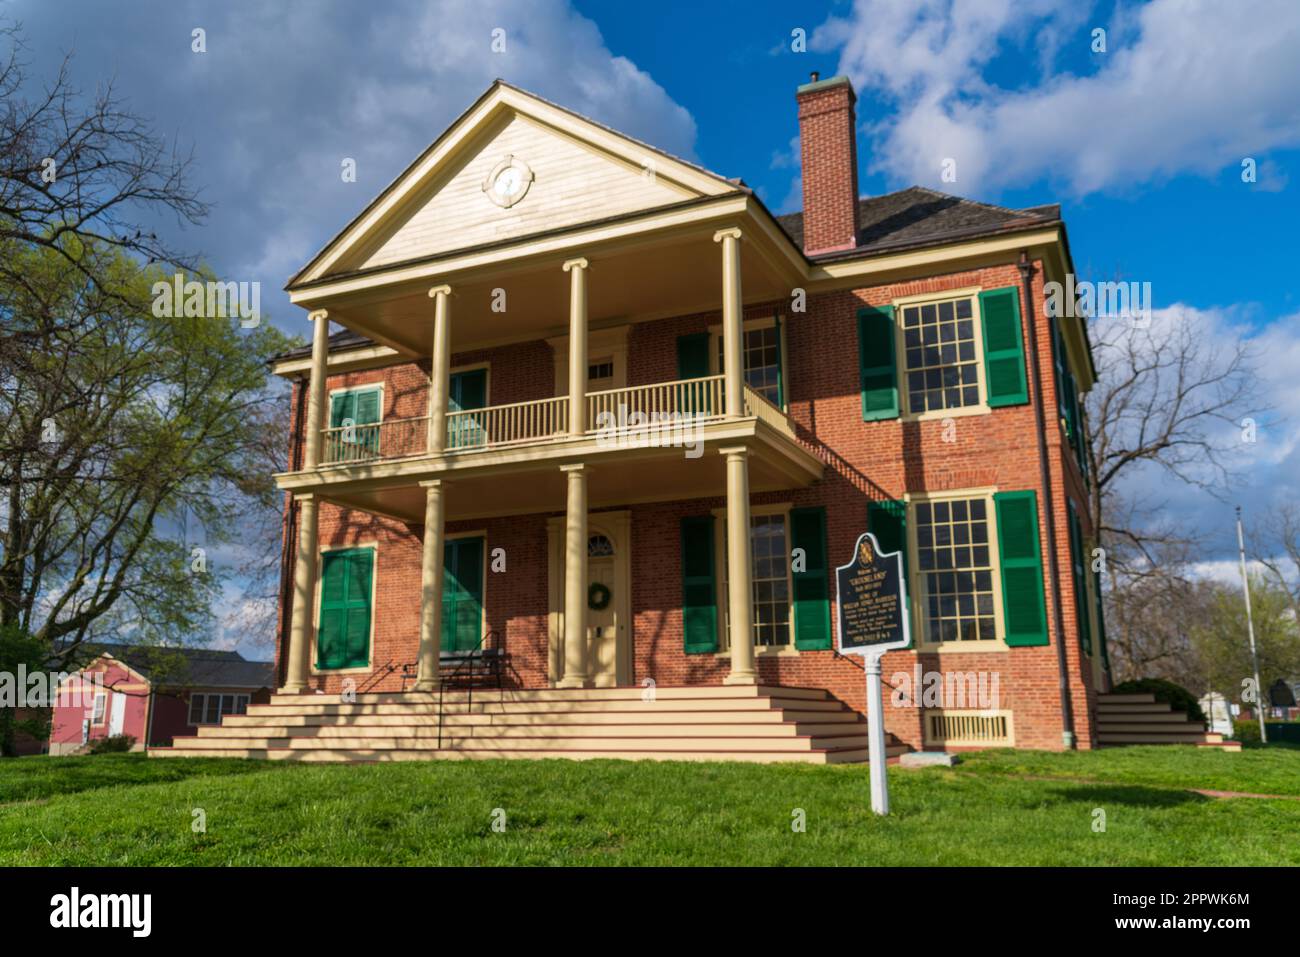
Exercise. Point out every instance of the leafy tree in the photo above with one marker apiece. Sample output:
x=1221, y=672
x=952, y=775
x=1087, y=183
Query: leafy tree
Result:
x=1222, y=646
x=132, y=440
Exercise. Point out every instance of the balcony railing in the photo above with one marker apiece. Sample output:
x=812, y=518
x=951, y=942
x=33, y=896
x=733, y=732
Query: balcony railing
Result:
x=545, y=420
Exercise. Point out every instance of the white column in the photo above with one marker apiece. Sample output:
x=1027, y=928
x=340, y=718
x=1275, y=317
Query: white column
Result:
x=431, y=576
x=739, y=587
x=732, y=325
x=298, y=654
x=440, y=372
x=575, y=579
x=316, y=397
x=577, y=270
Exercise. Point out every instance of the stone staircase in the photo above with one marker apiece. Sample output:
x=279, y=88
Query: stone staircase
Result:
x=1141, y=719
x=715, y=723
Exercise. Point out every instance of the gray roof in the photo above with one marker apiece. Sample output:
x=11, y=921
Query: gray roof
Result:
x=917, y=216
x=187, y=667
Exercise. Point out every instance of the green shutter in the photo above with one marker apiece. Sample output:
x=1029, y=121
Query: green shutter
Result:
x=699, y=592
x=693, y=356
x=1004, y=351
x=343, y=633
x=343, y=405
x=1101, y=619
x=462, y=594
x=1080, y=582
x=1023, y=605
x=812, y=606
x=877, y=374
x=888, y=522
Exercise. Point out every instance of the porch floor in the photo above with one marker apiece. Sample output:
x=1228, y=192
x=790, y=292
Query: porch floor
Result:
x=760, y=723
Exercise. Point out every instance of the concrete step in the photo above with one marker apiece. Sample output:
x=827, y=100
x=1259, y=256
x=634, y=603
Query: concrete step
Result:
x=1139, y=713
x=424, y=732
x=1143, y=697
x=1154, y=730
x=346, y=756
x=493, y=706
x=1145, y=737
x=565, y=694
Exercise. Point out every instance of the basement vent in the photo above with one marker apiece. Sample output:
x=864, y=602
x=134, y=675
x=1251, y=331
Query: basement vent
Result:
x=971, y=728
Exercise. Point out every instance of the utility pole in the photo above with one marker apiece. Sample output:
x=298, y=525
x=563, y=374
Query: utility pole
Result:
x=1250, y=630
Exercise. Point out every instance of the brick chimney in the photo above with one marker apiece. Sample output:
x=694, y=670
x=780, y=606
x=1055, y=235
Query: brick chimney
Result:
x=828, y=143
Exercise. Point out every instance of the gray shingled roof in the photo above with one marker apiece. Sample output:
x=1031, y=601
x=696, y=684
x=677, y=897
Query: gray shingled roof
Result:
x=188, y=667
x=917, y=216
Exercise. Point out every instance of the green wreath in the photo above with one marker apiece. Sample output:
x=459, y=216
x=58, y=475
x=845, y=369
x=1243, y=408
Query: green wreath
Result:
x=598, y=596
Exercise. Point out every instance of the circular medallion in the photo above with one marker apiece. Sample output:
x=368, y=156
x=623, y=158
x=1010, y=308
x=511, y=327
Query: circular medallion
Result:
x=508, y=182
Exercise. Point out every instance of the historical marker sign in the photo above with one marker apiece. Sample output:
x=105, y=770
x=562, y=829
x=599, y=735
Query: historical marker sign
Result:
x=872, y=598
x=871, y=592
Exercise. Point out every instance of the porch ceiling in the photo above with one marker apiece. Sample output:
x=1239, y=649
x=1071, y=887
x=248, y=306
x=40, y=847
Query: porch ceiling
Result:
x=628, y=477
x=629, y=280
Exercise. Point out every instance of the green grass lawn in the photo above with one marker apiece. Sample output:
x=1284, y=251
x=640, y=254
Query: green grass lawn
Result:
x=1002, y=807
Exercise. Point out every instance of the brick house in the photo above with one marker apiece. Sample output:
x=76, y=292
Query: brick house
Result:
x=472, y=465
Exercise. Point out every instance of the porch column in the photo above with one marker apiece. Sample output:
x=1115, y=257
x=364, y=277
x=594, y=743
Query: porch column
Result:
x=739, y=588
x=575, y=578
x=316, y=398
x=577, y=270
x=431, y=574
x=732, y=322
x=440, y=373
x=298, y=654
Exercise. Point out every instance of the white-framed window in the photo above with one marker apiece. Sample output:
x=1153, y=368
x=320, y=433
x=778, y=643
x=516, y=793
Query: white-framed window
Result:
x=762, y=351
x=769, y=549
x=954, y=562
x=211, y=708
x=941, y=354
x=99, y=708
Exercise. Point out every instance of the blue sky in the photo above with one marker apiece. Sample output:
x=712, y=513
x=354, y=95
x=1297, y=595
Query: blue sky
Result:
x=1142, y=143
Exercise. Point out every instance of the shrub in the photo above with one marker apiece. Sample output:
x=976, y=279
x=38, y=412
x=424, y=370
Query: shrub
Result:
x=113, y=744
x=1247, y=732
x=1176, y=696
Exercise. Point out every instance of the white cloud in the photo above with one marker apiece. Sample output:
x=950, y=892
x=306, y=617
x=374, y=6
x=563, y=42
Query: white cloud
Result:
x=1187, y=86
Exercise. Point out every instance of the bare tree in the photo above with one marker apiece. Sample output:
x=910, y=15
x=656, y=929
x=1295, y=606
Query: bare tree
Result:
x=1168, y=396
x=78, y=174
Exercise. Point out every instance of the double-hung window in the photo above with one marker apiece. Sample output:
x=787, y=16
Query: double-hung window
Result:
x=955, y=570
x=941, y=358
x=769, y=581
x=210, y=708
x=761, y=352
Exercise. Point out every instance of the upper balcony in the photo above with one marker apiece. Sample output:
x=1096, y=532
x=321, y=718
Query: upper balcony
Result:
x=645, y=443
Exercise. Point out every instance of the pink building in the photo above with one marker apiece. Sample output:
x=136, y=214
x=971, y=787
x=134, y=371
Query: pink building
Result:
x=154, y=694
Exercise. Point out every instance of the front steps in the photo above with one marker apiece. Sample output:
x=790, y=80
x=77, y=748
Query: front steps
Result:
x=1140, y=719
x=715, y=723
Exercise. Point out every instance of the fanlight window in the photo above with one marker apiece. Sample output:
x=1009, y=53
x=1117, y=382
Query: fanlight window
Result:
x=598, y=546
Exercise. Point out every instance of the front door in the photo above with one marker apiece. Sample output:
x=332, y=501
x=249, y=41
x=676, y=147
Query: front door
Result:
x=117, y=713
x=602, y=612
x=462, y=594
x=466, y=391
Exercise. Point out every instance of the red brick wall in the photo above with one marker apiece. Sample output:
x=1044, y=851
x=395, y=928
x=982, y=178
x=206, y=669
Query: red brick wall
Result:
x=864, y=461
x=829, y=153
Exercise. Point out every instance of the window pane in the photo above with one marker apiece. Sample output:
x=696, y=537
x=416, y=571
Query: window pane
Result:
x=212, y=713
x=956, y=578
x=196, y=709
x=940, y=356
x=770, y=587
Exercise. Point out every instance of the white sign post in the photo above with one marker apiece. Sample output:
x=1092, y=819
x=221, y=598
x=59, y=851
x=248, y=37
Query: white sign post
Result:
x=871, y=592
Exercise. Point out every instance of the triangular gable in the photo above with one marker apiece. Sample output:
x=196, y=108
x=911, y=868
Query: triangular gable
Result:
x=576, y=171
